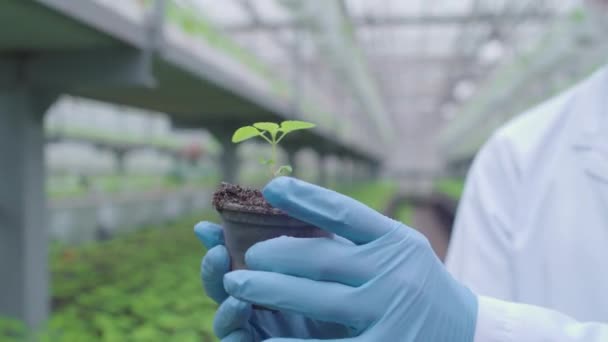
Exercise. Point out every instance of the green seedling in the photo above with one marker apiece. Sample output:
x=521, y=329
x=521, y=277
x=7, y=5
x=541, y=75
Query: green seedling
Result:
x=273, y=133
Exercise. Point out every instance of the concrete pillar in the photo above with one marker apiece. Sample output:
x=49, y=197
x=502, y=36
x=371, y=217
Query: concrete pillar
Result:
x=24, y=275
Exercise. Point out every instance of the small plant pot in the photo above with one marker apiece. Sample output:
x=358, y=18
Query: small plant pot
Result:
x=244, y=228
x=248, y=219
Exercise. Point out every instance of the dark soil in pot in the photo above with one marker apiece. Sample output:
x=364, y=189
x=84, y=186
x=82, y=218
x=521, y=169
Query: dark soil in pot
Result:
x=248, y=219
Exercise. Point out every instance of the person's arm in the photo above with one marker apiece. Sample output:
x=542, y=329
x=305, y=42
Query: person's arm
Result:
x=480, y=247
x=499, y=321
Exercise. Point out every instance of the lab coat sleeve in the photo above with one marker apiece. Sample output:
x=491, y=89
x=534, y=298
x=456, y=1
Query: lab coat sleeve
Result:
x=480, y=246
x=500, y=321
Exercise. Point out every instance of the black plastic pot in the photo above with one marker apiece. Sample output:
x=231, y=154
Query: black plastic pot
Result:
x=243, y=228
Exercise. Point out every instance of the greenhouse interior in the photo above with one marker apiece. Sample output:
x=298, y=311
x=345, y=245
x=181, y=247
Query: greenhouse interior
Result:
x=117, y=122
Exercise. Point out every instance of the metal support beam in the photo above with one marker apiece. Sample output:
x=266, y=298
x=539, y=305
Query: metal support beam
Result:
x=504, y=25
x=248, y=6
x=256, y=20
x=23, y=235
x=456, y=19
x=155, y=21
x=9, y=74
x=389, y=21
x=90, y=69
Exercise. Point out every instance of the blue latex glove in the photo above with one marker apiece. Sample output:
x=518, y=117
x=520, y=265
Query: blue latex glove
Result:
x=235, y=321
x=387, y=286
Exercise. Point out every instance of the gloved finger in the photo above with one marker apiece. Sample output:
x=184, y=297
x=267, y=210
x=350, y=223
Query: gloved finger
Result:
x=210, y=234
x=342, y=240
x=327, y=210
x=214, y=266
x=240, y=335
x=300, y=257
x=232, y=315
x=323, y=301
x=283, y=339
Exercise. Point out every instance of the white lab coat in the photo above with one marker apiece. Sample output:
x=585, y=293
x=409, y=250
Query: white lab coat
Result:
x=532, y=226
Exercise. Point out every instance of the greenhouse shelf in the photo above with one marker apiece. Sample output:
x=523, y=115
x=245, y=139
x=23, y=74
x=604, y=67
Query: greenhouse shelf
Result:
x=89, y=49
x=109, y=139
x=377, y=195
x=118, y=53
x=84, y=219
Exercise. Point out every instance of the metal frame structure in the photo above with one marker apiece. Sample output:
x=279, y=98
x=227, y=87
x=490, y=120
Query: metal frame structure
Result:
x=570, y=51
x=416, y=53
x=396, y=21
x=87, y=49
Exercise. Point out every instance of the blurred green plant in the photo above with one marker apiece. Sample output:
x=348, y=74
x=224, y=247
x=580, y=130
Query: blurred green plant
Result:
x=376, y=195
x=62, y=187
x=94, y=134
x=12, y=330
x=143, y=286
x=273, y=133
x=405, y=214
x=452, y=187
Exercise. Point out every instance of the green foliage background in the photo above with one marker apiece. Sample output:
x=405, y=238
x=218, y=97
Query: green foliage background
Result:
x=141, y=286
x=376, y=195
x=453, y=187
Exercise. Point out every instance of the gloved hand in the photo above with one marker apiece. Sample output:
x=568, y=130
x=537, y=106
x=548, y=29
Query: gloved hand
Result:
x=235, y=320
x=387, y=286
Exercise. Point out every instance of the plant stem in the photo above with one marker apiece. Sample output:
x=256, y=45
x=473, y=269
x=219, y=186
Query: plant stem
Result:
x=274, y=158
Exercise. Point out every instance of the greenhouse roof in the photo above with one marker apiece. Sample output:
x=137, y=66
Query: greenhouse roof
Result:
x=383, y=77
x=422, y=61
x=121, y=52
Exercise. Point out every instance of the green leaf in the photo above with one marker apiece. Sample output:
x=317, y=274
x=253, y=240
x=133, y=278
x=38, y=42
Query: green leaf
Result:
x=264, y=161
x=245, y=133
x=284, y=170
x=294, y=125
x=267, y=126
